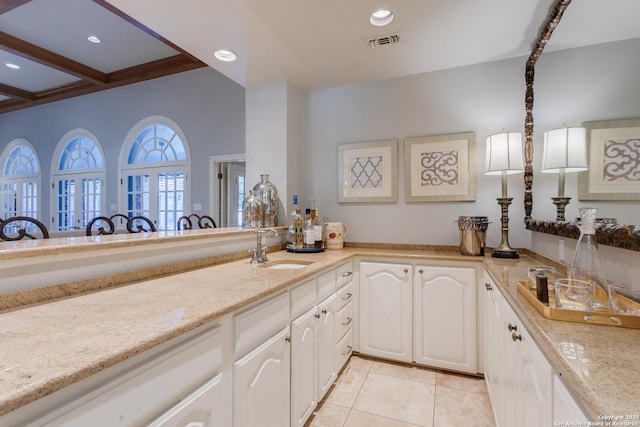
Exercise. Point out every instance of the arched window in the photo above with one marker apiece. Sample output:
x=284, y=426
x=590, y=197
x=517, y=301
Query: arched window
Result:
x=155, y=165
x=20, y=180
x=78, y=176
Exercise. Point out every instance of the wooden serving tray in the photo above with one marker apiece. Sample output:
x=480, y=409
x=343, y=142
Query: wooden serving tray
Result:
x=550, y=311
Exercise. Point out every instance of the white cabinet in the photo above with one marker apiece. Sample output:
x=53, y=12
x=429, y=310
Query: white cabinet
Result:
x=261, y=384
x=154, y=387
x=444, y=317
x=565, y=408
x=304, y=365
x=203, y=408
x=327, y=372
x=518, y=374
x=385, y=310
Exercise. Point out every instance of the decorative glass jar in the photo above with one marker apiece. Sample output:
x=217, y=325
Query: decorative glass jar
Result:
x=586, y=264
x=252, y=211
x=268, y=193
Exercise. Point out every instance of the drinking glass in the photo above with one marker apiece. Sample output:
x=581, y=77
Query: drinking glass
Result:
x=574, y=294
x=624, y=300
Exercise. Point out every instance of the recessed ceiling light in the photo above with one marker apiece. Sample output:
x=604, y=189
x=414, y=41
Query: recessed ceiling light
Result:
x=225, y=55
x=93, y=39
x=381, y=18
x=12, y=65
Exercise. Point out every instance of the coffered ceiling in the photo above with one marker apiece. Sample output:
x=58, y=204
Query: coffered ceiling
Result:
x=47, y=40
x=312, y=45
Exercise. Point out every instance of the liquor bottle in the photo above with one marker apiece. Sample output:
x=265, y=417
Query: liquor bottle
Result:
x=298, y=227
x=291, y=234
x=318, y=231
x=309, y=234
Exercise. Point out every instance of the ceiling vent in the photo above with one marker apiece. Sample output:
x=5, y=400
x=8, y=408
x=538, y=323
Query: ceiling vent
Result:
x=384, y=40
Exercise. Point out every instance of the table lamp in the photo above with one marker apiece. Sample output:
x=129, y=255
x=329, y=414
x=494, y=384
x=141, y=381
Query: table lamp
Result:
x=504, y=157
x=565, y=151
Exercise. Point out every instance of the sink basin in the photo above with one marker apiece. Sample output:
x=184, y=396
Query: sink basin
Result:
x=286, y=264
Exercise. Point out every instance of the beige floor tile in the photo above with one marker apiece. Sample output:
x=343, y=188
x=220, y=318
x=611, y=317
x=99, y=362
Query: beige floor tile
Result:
x=347, y=387
x=329, y=415
x=455, y=407
x=461, y=382
x=360, y=363
x=423, y=375
x=362, y=419
x=396, y=398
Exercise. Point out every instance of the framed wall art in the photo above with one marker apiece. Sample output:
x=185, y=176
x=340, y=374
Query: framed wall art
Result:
x=613, y=151
x=440, y=168
x=367, y=172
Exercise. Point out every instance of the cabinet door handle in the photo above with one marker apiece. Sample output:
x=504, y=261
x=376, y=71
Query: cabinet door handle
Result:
x=512, y=327
x=488, y=286
x=515, y=337
x=347, y=274
x=287, y=339
x=317, y=316
x=347, y=296
x=421, y=271
x=349, y=319
x=324, y=311
x=406, y=270
x=349, y=348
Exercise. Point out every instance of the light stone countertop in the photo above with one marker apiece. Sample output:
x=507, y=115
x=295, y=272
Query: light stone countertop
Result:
x=48, y=347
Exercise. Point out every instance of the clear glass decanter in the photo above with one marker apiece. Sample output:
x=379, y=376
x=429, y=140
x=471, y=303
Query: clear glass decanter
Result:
x=267, y=192
x=252, y=211
x=586, y=264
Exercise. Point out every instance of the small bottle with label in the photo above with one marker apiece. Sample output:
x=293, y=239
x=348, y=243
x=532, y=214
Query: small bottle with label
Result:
x=293, y=223
x=542, y=287
x=318, y=233
x=309, y=235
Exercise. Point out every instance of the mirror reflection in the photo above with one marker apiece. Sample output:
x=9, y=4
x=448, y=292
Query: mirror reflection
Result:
x=574, y=87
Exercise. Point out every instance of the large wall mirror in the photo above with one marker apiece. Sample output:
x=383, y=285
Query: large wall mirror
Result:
x=595, y=86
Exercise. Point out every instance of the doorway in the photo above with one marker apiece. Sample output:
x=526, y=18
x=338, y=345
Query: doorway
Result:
x=227, y=180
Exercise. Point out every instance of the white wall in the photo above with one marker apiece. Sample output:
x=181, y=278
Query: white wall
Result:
x=484, y=99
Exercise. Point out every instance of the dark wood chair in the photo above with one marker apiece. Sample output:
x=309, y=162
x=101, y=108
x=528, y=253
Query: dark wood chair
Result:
x=20, y=227
x=106, y=225
x=187, y=222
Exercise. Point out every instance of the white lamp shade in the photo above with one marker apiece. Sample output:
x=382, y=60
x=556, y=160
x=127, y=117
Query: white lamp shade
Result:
x=565, y=149
x=504, y=154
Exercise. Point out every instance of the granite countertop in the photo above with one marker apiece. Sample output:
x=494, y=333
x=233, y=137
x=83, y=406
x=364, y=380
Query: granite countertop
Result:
x=597, y=362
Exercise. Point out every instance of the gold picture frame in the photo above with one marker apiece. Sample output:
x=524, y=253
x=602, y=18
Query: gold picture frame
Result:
x=440, y=168
x=367, y=172
x=613, y=153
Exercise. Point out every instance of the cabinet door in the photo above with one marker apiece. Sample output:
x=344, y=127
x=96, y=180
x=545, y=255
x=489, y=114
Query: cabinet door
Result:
x=304, y=366
x=565, y=408
x=203, y=408
x=385, y=310
x=445, y=317
x=494, y=346
x=261, y=384
x=533, y=405
x=327, y=372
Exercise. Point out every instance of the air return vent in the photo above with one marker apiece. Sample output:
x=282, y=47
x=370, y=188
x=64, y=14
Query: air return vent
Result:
x=384, y=40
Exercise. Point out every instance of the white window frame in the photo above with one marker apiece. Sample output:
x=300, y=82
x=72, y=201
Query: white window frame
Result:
x=22, y=178
x=77, y=175
x=154, y=169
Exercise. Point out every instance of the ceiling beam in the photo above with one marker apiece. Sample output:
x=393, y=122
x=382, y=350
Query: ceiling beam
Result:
x=7, y=5
x=35, y=53
x=14, y=92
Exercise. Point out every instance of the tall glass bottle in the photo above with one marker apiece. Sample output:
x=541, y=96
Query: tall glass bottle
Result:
x=295, y=239
x=268, y=193
x=586, y=264
x=252, y=211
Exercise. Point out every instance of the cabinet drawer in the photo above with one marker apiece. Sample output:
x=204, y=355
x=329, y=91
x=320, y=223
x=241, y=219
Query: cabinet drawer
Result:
x=151, y=388
x=344, y=320
x=255, y=325
x=344, y=274
x=326, y=284
x=345, y=295
x=344, y=349
x=303, y=297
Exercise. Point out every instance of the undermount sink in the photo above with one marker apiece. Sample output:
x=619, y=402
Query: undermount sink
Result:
x=286, y=264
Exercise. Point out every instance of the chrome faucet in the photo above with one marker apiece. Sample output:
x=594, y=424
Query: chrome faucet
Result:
x=259, y=255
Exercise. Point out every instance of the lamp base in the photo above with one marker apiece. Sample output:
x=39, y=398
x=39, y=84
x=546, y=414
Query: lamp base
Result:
x=561, y=203
x=509, y=254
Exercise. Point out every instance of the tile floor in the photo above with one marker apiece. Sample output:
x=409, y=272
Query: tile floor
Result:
x=373, y=393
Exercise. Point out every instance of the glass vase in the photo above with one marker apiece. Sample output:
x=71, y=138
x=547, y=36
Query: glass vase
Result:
x=586, y=264
x=252, y=211
x=268, y=193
